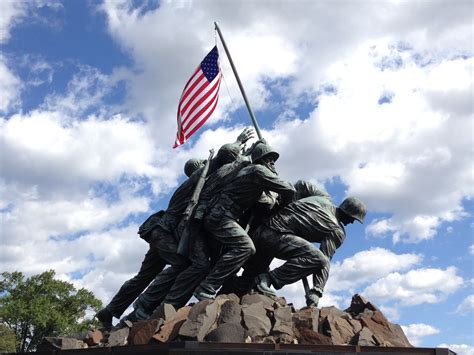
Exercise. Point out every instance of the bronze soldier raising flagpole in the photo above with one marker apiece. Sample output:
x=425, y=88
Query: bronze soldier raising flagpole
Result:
x=252, y=116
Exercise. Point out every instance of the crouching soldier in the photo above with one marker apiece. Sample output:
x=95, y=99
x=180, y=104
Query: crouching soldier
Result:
x=289, y=235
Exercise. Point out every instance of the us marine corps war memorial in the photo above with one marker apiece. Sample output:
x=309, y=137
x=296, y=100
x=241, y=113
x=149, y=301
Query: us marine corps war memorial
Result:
x=207, y=285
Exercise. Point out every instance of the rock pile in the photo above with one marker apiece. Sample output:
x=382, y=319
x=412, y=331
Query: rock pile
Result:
x=254, y=318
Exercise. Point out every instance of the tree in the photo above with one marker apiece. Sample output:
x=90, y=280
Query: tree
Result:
x=7, y=340
x=41, y=306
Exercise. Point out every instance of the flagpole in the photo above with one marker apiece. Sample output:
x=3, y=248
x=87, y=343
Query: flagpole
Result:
x=252, y=116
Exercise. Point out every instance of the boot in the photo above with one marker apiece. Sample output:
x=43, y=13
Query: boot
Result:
x=264, y=283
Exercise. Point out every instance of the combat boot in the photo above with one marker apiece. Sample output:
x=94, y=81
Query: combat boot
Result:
x=264, y=283
x=202, y=294
x=105, y=317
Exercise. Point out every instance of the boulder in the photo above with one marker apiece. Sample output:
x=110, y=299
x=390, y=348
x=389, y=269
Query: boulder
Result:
x=359, y=304
x=201, y=319
x=61, y=343
x=93, y=338
x=256, y=320
x=170, y=329
x=253, y=298
x=340, y=330
x=142, y=331
x=308, y=336
x=388, y=334
x=283, y=321
x=164, y=311
x=227, y=333
x=230, y=313
x=118, y=337
x=229, y=297
x=307, y=317
x=364, y=338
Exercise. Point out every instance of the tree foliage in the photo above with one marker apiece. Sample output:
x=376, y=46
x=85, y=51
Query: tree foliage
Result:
x=41, y=306
x=7, y=340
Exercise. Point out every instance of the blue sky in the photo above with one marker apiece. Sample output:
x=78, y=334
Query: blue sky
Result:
x=371, y=99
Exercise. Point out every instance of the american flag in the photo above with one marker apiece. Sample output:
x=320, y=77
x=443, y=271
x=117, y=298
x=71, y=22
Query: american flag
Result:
x=199, y=97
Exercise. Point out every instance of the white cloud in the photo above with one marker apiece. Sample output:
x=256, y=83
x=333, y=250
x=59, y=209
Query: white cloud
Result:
x=460, y=349
x=471, y=249
x=467, y=306
x=11, y=10
x=368, y=266
x=425, y=285
x=10, y=86
x=415, y=332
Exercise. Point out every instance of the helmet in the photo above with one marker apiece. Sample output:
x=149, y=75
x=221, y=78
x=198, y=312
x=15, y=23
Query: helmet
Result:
x=305, y=189
x=192, y=165
x=354, y=207
x=261, y=150
x=228, y=153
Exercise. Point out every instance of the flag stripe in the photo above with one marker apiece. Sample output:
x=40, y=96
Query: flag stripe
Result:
x=197, y=82
x=200, y=102
x=201, y=112
x=202, y=121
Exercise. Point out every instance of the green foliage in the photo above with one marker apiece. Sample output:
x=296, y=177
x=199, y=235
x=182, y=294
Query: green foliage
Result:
x=41, y=306
x=7, y=340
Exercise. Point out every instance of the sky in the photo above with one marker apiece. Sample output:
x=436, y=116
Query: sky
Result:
x=372, y=99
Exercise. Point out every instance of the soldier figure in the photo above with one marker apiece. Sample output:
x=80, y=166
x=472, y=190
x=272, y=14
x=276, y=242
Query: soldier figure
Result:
x=163, y=238
x=153, y=263
x=289, y=235
x=221, y=222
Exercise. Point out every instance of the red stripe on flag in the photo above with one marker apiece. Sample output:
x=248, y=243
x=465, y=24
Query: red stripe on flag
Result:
x=199, y=102
x=202, y=121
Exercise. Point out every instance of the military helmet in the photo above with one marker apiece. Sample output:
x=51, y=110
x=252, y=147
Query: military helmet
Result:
x=228, y=153
x=192, y=165
x=261, y=150
x=354, y=207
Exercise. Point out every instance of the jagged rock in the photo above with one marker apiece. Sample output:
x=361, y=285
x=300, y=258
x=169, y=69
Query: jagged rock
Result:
x=364, y=338
x=359, y=304
x=230, y=313
x=62, y=343
x=201, y=318
x=308, y=336
x=142, y=331
x=286, y=339
x=388, y=333
x=283, y=321
x=340, y=330
x=256, y=320
x=307, y=317
x=118, y=337
x=256, y=298
x=227, y=333
x=170, y=329
x=281, y=302
x=93, y=338
x=230, y=297
x=327, y=311
x=164, y=311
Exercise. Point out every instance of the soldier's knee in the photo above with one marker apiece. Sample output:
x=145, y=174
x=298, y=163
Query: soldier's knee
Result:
x=251, y=250
x=320, y=260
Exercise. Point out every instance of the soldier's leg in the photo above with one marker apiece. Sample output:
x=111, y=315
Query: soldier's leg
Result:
x=152, y=264
x=191, y=277
x=237, y=248
x=166, y=246
x=302, y=259
x=255, y=265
